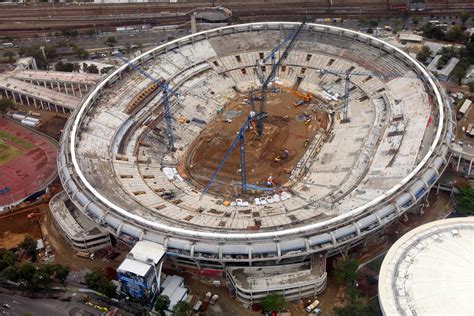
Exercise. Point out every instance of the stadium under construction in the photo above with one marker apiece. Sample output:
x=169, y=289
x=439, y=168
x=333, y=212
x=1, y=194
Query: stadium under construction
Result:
x=349, y=134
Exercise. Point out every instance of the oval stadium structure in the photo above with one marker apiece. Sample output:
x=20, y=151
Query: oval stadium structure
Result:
x=352, y=179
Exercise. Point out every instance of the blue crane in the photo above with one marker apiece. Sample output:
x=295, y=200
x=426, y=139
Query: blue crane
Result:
x=239, y=138
x=272, y=55
x=166, y=105
x=346, y=75
x=271, y=76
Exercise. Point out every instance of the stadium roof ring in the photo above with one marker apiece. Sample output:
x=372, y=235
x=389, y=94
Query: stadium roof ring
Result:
x=387, y=205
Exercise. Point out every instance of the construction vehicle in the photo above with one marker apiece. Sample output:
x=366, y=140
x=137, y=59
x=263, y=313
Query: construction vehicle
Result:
x=303, y=97
x=312, y=306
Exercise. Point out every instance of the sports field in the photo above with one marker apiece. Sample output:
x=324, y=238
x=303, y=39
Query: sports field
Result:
x=7, y=153
x=12, y=147
x=27, y=162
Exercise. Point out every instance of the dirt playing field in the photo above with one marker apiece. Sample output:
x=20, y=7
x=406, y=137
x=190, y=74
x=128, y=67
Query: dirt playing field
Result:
x=288, y=130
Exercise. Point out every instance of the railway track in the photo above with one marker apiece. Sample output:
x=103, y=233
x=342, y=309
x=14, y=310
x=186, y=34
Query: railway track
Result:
x=24, y=21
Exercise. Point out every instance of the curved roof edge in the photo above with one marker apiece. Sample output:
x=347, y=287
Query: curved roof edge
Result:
x=247, y=236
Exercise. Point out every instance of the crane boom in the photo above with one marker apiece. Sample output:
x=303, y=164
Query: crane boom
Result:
x=239, y=138
x=271, y=76
x=166, y=91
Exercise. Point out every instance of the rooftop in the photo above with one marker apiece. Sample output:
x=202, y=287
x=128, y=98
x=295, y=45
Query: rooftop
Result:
x=429, y=270
x=146, y=250
x=136, y=267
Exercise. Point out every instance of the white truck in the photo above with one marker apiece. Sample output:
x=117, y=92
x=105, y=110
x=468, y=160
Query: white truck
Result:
x=312, y=306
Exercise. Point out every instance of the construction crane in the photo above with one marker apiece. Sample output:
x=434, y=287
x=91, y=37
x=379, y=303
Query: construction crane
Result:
x=166, y=91
x=239, y=138
x=346, y=75
x=262, y=62
x=271, y=76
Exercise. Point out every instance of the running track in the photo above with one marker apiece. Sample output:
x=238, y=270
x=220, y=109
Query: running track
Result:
x=29, y=172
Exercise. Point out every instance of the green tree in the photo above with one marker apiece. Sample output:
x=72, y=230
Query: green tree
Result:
x=65, y=67
x=455, y=33
x=41, y=280
x=92, y=69
x=373, y=22
x=26, y=272
x=98, y=282
x=8, y=257
x=162, y=303
x=5, y=104
x=370, y=30
x=346, y=271
x=110, y=41
x=76, y=67
x=182, y=309
x=273, y=303
x=81, y=52
x=29, y=245
x=433, y=31
x=37, y=52
x=424, y=54
x=10, y=273
x=465, y=201
x=61, y=273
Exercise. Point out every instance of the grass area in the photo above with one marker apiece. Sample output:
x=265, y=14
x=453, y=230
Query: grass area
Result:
x=18, y=141
x=8, y=153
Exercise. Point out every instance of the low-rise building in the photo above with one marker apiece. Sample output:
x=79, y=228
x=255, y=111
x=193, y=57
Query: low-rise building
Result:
x=81, y=233
x=446, y=70
x=140, y=272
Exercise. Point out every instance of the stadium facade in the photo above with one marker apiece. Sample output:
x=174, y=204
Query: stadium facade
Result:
x=367, y=173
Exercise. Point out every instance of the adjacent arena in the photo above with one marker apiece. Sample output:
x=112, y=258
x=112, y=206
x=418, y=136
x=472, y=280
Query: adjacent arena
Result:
x=351, y=180
x=428, y=271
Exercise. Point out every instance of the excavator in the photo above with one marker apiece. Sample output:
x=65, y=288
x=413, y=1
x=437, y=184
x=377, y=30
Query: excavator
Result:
x=304, y=97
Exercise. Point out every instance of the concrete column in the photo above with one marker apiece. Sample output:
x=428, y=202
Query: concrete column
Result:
x=44, y=84
x=59, y=86
x=51, y=84
x=459, y=162
x=63, y=109
x=65, y=87
x=28, y=100
x=80, y=90
x=34, y=101
x=72, y=88
x=193, y=24
x=56, y=107
x=21, y=99
x=41, y=102
x=470, y=167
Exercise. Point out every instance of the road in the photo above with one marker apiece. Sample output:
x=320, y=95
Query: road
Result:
x=20, y=305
